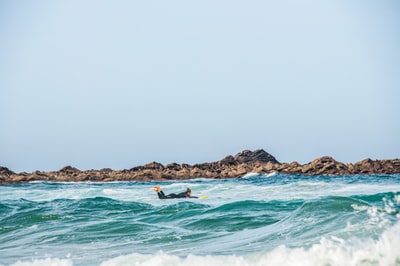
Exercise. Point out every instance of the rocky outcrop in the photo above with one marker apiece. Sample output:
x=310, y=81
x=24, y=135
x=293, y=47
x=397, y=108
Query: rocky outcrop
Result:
x=260, y=156
x=258, y=161
x=369, y=166
x=320, y=166
x=69, y=170
x=4, y=171
x=5, y=174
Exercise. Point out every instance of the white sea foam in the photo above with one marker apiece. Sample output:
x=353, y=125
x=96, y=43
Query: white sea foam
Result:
x=335, y=251
x=254, y=174
x=360, y=207
x=272, y=174
x=383, y=251
x=45, y=262
x=248, y=175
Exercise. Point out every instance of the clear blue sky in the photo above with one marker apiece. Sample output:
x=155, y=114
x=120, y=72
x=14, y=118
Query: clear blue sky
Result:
x=118, y=84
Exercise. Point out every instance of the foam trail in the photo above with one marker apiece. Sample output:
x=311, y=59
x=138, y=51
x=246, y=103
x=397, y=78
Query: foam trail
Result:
x=334, y=252
x=384, y=251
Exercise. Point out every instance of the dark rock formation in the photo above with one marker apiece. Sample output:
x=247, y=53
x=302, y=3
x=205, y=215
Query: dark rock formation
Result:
x=69, y=170
x=154, y=166
x=242, y=163
x=369, y=166
x=247, y=156
x=4, y=171
x=5, y=174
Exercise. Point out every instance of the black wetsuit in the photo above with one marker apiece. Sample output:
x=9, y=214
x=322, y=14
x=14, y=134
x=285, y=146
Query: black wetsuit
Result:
x=161, y=195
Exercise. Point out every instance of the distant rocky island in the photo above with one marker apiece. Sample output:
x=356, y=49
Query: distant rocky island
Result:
x=245, y=162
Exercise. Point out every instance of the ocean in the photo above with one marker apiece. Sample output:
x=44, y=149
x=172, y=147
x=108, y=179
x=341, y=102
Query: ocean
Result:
x=254, y=220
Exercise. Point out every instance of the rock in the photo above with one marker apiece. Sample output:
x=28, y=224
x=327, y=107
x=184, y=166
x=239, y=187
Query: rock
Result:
x=154, y=166
x=136, y=168
x=4, y=171
x=228, y=160
x=173, y=166
x=324, y=166
x=69, y=170
x=369, y=166
x=248, y=156
x=244, y=162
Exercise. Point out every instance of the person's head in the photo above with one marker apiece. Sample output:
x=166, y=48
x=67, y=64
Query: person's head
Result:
x=157, y=188
x=188, y=191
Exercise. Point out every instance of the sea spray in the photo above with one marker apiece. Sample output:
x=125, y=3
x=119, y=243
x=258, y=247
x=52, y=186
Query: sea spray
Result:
x=256, y=220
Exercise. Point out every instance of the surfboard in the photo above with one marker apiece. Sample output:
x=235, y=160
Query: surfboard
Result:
x=199, y=197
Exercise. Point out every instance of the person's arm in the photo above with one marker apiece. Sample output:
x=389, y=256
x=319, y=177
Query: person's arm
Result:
x=161, y=195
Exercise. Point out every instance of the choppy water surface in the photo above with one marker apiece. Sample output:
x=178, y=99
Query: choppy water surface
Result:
x=255, y=220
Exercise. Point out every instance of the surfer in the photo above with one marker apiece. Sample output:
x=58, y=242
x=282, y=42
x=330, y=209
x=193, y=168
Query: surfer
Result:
x=185, y=194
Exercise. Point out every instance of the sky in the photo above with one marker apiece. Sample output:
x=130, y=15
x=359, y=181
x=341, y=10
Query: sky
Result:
x=117, y=84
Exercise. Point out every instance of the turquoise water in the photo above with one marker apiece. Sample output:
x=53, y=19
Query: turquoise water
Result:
x=254, y=220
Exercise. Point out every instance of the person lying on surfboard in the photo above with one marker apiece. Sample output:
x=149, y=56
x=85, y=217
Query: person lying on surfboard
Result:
x=185, y=194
